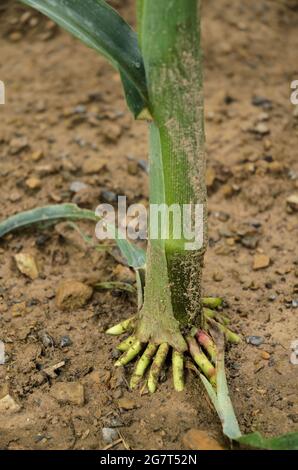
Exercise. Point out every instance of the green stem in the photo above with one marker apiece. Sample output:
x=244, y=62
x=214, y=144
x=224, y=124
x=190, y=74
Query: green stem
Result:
x=170, y=42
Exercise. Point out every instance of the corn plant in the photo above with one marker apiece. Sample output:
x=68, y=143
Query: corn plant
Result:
x=161, y=73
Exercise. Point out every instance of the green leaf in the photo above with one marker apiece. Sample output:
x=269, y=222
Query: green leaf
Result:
x=100, y=27
x=284, y=442
x=135, y=256
x=45, y=214
x=221, y=399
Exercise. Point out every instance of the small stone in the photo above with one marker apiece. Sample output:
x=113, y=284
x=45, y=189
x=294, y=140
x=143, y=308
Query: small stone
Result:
x=19, y=310
x=87, y=197
x=71, y=295
x=196, y=439
x=124, y=274
x=15, y=36
x=261, y=128
x=15, y=196
x=27, y=265
x=46, y=339
x=255, y=340
x=132, y=167
x=295, y=303
x=261, y=101
x=37, y=155
x=112, y=131
x=109, y=435
x=210, y=177
x=143, y=164
x=126, y=404
x=65, y=341
x=260, y=261
x=265, y=355
x=109, y=196
x=77, y=186
x=68, y=392
x=17, y=145
x=217, y=276
x=45, y=170
x=92, y=165
x=9, y=405
x=33, y=183
x=292, y=202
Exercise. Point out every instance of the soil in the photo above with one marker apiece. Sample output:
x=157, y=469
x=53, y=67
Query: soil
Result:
x=65, y=120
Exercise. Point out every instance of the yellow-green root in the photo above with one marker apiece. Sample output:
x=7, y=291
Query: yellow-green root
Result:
x=178, y=370
x=123, y=327
x=126, y=344
x=156, y=367
x=201, y=360
x=208, y=344
x=212, y=302
x=130, y=354
x=209, y=313
x=142, y=365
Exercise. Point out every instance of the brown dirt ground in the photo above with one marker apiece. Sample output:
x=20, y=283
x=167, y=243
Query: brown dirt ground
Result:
x=250, y=48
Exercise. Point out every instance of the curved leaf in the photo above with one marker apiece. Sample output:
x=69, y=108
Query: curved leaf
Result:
x=100, y=27
x=45, y=214
x=135, y=256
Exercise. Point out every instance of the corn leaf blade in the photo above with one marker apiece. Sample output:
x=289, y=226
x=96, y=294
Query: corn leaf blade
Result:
x=135, y=256
x=100, y=27
x=285, y=442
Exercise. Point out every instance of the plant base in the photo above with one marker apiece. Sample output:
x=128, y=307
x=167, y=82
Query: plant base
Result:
x=152, y=355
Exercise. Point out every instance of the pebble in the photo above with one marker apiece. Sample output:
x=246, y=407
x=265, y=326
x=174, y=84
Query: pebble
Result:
x=87, y=197
x=9, y=405
x=196, y=439
x=15, y=36
x=65, y=341
x=68, y=392
x=261, y=128
x=112, y=131
x=109, y=196
x=255, y=340
x=144, y=165
x=265, y=355
x=33, y=183
x=37, y=155
x=92, y=165
x=17, y=145
x=27, y=265
x=260, y=261
x=109, y=435
x=292, y=202
x=132, y=167
x=46, y=339
x=77, y=186
x=261, y=101
x=71, y=295
x=126, y=404
x=217, y=276
x=19, y=309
